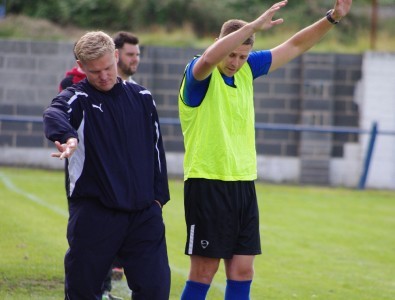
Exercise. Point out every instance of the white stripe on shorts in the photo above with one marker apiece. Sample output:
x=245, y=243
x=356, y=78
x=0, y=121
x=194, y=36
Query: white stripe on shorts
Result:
x=191, y=238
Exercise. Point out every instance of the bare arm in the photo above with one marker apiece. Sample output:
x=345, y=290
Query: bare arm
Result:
x=224, y=46
x=307, y=37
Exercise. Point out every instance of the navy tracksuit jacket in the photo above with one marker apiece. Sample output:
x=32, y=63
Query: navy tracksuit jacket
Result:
x=120, y=157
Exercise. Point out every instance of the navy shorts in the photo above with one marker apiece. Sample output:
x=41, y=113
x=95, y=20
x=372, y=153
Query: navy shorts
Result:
x=222, y=218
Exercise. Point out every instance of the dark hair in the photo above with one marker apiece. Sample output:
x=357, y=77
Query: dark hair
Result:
x=123, y=37
x=234, y=25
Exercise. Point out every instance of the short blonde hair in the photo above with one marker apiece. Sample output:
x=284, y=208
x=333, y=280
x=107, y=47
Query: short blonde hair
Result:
x=93, y=45
x=233, y=25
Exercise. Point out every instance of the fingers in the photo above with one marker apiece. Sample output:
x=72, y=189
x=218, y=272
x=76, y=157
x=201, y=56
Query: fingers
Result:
x=342, y=8
x=278, y=21
x=71, y=146
x=56, y=154
x=65, y=154
x=65, y=150
x=279, y=5
x=59, y=146
x=160, y=205
x=265, y=21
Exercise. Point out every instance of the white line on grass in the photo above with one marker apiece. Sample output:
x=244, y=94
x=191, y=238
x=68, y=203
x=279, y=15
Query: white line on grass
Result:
x=8, y=183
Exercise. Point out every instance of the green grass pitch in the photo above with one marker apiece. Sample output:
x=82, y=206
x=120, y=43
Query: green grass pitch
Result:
x=317, y=242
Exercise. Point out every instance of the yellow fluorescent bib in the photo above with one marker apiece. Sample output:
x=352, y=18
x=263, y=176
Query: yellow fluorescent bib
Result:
x=219, y=135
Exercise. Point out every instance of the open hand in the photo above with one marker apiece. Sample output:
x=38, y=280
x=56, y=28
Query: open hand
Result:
x=65, y=150
x=265, y=21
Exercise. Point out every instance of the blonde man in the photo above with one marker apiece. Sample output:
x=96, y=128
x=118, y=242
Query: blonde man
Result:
x=108, y=131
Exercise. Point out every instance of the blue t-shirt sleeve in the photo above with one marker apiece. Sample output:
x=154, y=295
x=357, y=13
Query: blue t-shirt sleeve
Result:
x=260, y=62
x=194, y=90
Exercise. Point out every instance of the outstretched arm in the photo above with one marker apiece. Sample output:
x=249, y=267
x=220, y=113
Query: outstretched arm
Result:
x=224, y=46
x=307, y=37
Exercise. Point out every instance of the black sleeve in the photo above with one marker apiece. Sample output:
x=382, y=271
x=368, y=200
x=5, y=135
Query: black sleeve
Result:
x=66, y=82
x=56, y=119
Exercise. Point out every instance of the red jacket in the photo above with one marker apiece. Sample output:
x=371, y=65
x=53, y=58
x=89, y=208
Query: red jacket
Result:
x=72, y=76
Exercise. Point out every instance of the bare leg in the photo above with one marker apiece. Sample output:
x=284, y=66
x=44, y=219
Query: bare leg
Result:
x=240, y=267
x=203, y=269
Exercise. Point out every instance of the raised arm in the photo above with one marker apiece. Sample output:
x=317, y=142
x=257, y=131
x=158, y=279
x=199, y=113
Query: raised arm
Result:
x=308, y=37
x=222, y=47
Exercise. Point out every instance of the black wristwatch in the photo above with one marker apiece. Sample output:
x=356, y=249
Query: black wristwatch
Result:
x=329, y=17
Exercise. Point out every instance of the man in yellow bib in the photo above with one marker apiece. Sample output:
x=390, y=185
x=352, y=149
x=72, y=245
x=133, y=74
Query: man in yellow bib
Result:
x=217, y=118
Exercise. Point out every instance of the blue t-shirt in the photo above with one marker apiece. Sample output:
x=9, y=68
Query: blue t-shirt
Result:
x=195, y=90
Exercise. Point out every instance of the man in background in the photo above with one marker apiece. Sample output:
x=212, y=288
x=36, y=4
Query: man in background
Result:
x=129, y=54
x=72, y=76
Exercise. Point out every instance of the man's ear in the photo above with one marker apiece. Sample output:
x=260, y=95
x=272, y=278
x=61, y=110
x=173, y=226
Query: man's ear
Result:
x=116, y=53
x=80, y=64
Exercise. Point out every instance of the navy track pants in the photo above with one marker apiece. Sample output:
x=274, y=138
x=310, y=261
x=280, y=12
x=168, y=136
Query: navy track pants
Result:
x=97, y=234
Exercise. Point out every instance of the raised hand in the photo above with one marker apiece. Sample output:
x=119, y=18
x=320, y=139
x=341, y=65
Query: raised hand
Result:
x=341, y=9
x=265, y=21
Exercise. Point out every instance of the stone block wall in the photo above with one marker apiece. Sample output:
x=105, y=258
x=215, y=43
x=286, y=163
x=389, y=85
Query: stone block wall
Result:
x=314, y=89
x=30, y=72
